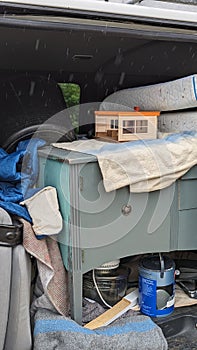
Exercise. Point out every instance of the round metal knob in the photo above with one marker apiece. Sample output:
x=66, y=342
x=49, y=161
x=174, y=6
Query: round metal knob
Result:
x=126, y=209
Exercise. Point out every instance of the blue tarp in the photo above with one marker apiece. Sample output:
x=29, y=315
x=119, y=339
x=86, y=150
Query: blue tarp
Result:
x=18, y=175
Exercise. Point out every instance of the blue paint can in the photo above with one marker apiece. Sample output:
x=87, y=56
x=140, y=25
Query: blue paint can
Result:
x=156, y=285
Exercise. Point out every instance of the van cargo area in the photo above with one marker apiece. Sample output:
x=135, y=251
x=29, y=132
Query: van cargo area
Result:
x=44, y=49
x=101, y=56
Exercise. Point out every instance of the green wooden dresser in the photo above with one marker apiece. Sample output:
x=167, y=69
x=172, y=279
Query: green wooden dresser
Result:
x=101, y=226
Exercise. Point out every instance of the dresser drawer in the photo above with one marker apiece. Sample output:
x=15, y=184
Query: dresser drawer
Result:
x=187, y=190
x=187, y=230
x=187, y=194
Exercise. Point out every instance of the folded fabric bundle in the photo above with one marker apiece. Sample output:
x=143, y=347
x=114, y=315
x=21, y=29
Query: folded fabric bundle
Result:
x=53, y=276
x=172, y=95
x=52, y=331
x=18, y=174
x=9, y=169
x=10, y=192
x=47, y=221
x=16, y=209
x=29, y=166
x=145, y=165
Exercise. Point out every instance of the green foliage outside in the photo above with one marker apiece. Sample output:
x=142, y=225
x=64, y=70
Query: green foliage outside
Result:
x=71, y=93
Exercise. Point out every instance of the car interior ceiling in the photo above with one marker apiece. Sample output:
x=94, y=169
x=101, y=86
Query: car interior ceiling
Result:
x=100, y=58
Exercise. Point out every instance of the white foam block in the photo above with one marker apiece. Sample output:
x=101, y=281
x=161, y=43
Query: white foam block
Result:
x=178, y=121
x=168, y=96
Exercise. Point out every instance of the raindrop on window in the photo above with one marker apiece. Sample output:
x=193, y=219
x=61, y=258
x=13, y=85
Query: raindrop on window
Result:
x=37, y=44
x=32, y=87
x=122, y=76
x=71, y=77
x=118, y=59
x=98, y=77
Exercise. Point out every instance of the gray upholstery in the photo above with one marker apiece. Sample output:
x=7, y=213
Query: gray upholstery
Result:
x=18, y=335
x=15, y=284
x=5, y=275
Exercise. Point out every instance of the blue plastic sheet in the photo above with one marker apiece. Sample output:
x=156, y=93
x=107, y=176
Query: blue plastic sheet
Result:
x=18, y=175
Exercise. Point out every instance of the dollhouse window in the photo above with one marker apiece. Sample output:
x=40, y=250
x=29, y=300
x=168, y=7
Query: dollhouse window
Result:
x=135, y=126
x=114, y=123
x=141, y=126
x=128, y=126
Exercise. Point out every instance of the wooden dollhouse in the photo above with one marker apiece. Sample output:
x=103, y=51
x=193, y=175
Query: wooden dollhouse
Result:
x=118, y=126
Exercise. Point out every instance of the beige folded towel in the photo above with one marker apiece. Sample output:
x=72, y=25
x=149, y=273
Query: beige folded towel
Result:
x=51, y=270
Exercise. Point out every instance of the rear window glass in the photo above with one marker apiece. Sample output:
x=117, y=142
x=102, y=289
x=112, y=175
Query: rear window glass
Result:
x=71, y=93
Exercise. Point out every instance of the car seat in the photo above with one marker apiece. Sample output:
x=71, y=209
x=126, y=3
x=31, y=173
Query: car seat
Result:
x=15, y=286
